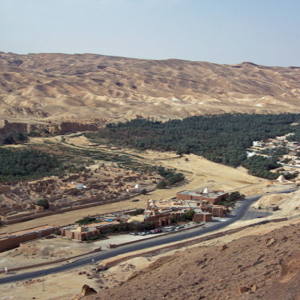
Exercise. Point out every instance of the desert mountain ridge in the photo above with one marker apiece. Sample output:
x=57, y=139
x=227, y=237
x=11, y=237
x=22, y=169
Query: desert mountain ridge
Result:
x=90, y=90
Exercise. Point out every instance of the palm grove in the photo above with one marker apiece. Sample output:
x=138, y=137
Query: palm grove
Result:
x=219, y=138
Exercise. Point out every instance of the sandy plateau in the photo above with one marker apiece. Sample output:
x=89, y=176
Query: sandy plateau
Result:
x=199, y=172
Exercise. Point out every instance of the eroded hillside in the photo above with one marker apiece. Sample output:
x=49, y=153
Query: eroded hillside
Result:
x=94, y=89
x=251, y=267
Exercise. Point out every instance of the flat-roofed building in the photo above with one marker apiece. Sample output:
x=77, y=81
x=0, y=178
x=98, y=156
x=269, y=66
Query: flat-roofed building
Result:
x=212, y=197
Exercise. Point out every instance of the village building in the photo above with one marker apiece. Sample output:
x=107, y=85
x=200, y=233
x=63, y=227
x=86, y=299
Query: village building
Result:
x=212, y=197
x=159, y=212
x=84, y=232
x=103, y=185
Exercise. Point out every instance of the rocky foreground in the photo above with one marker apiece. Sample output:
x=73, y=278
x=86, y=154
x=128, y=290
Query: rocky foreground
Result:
x=253, y=267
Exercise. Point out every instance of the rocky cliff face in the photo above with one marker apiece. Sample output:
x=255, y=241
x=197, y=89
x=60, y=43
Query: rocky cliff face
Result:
x=7, y=128
x=53, y=87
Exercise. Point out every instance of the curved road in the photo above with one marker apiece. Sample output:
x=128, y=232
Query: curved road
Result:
x=179, y=236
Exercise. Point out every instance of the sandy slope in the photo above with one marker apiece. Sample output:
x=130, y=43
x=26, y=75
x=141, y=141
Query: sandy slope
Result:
x=289, y=204
x=54, y=87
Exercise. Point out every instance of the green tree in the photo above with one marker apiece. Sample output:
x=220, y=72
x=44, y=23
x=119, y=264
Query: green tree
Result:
x=234, y=196
x=43, y=203
x=21, y=137
x=190, y=214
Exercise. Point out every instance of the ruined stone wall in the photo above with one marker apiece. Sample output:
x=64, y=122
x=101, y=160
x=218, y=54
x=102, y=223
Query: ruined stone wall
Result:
x=16, y=216
x=5, y=210
x=8, y=128
x=28, y=217
x=4, y=188
x=14, y=241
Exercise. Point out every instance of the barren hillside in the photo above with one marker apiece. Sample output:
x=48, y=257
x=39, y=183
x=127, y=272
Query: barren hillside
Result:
x=89, y=88
x=251, y=267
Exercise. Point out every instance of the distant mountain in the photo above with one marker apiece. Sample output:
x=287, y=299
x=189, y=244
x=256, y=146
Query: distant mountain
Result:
x=96, y=89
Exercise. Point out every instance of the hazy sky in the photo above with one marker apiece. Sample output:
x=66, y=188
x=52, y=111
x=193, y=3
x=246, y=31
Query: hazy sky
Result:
x=265, y=32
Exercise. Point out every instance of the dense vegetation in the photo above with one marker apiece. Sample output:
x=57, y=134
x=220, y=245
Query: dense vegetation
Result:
x=170, y=177
x=57, y=159
x=231, y=199
x=138, y=212
x=19, y=164
x=86, y=220
x=275, y=153
x=16, y=138
x=260, y=166
x=234, y=196
x=219, y=138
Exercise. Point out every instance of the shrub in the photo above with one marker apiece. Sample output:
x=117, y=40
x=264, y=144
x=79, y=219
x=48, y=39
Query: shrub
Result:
x=138, y=212
x=144, y=192
x=15, y=138
x=190, y=214
x=86, y=220
x=162, y=184
x=43, y=203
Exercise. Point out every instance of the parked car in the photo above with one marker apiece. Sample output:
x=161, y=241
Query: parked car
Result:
x=157, y=230
x=180, y=227
x=133, y=233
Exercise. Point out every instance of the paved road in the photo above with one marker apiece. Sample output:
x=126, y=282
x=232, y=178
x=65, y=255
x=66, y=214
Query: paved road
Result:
x=292, y=166
x=179, y=236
